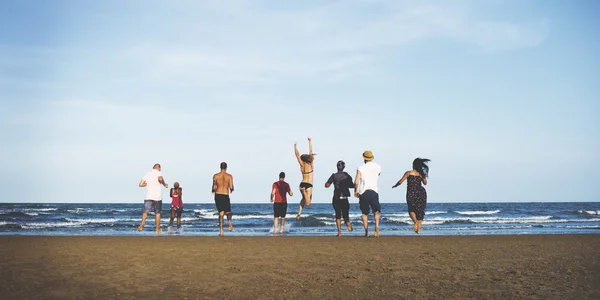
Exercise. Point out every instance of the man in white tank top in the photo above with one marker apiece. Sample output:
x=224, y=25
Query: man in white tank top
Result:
x=365, y=188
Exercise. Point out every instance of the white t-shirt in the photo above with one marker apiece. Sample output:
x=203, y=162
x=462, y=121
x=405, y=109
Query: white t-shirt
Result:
x=153, y=187
x=369, y=174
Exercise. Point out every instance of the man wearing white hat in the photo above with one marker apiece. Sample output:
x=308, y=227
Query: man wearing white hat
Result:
x=365, y=189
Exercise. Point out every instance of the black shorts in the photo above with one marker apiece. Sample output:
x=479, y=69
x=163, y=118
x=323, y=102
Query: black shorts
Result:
x=223, y=203
x=279, y=209
x=341, y=207
x=369, y=199
x=305, y=185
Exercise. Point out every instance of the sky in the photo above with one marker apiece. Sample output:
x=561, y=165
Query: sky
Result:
x=501, y=95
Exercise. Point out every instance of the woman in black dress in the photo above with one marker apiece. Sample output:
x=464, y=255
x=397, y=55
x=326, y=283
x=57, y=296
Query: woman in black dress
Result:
x=416, y=195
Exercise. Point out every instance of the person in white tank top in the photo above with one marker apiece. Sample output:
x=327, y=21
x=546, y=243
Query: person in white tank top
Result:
x=365, y=189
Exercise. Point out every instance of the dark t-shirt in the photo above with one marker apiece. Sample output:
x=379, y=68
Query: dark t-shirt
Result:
x=281, y=190
x=342, y=182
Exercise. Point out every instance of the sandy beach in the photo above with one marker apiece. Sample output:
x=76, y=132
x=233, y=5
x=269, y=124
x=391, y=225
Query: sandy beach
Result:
x=419, y=267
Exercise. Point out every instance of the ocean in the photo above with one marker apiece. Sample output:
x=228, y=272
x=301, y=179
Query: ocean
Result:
x=317, y=220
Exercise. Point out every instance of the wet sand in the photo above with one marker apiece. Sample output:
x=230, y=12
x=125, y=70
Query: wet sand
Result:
x=410, y=267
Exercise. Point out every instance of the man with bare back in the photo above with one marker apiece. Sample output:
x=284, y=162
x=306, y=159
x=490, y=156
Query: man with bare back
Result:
x=221, y=187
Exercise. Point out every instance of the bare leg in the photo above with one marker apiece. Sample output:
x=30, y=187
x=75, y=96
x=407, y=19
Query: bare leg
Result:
x=308, y=196
x=144, y=216
x=229, y=221
x=171, y=220
x=179, y=212
x=338, y=223
x=275, y=224
x=302, y=203
x=377, y=216
x=221, y=213
x=365, y=220
x=345, y=214
x=413, y=217
x=158, y=230
x=282, y=225
x=419, y=222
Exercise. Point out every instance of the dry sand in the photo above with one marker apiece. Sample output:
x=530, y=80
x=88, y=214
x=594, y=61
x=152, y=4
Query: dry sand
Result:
x=416, y=267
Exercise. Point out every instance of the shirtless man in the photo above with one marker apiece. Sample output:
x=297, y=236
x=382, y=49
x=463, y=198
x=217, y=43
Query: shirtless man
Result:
x=221, y=187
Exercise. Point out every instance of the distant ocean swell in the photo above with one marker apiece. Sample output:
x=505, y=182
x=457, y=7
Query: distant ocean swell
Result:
x=256, y=219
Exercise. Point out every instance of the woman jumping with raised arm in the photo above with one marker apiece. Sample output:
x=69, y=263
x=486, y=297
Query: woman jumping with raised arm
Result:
x=416, y=195
x=307, y=169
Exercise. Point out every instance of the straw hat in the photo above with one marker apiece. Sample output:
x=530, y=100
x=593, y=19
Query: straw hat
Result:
x=368, y=155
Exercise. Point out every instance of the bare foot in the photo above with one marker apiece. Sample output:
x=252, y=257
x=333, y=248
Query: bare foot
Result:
x=376, y=234
x=221, y=233
x=366, y=234
x=419, y=226
x=159, y=231
x=230, y=226
x=416, y=228
x=141, y=227
x=170, y=229
x=349, y=226
x=281, y=230
x=298, y=217
x=339, y=233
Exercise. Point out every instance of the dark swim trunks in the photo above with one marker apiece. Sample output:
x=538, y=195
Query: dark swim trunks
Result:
x=305, y=185
x=153, y=204
x=369, y=199
x=279, y=210
x=223, y=203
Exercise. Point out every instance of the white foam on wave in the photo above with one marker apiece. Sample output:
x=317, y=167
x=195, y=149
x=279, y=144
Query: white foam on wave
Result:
x=435, y=212
x=50, y=225
x=33, y=214
x=39, y=209
x=478, y=212
x=286, y=229
x=3, y=223
x=590, y=212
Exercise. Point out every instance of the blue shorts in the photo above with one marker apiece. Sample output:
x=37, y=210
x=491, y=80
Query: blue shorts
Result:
x=369, y=199
x=153, y=204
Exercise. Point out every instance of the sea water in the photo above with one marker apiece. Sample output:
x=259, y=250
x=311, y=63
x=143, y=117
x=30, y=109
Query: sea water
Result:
x=317, y=220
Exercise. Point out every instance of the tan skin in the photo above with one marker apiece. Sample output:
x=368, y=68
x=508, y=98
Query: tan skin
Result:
x=307, y=170
x=365, y=218
x=413, y=217
x=275, y=220
x=145, y=214
x=223, y=185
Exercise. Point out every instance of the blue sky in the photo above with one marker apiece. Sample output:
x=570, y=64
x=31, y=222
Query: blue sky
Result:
x=502, y=96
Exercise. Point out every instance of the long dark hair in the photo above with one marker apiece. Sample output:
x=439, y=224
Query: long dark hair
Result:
x=420, y=165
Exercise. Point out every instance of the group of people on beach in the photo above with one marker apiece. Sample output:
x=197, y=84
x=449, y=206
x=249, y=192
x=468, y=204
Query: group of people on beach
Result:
x=365, y=187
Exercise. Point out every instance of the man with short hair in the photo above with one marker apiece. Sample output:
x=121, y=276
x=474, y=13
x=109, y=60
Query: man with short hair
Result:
x=222, y=186
x=365, y=188
x=279, y=195
x=342, y=183
x=153, y=181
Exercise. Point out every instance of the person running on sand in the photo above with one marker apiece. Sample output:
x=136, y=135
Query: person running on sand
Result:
x=152, y=182
x=176, y=206
x=342, y=183
x=416, y=195
x=307, y=169
x=365, y=188
x=222, y=187
x=279, y=193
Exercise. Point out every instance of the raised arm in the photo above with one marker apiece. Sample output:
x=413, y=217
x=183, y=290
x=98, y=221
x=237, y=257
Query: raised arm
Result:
x=401, y=179
x=297, y=153
x=310, y=146
x=356, y=182
x=329, y=181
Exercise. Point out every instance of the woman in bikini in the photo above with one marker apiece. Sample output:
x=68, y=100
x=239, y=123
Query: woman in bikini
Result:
x=176, y=206
x=307, y=169
x=416, y=195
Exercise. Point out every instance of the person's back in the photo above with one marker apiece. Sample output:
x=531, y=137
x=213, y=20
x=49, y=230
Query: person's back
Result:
x=153, y=186
x=342, y=182
x=369, y=176
x=222, y=182
x=282, y=189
